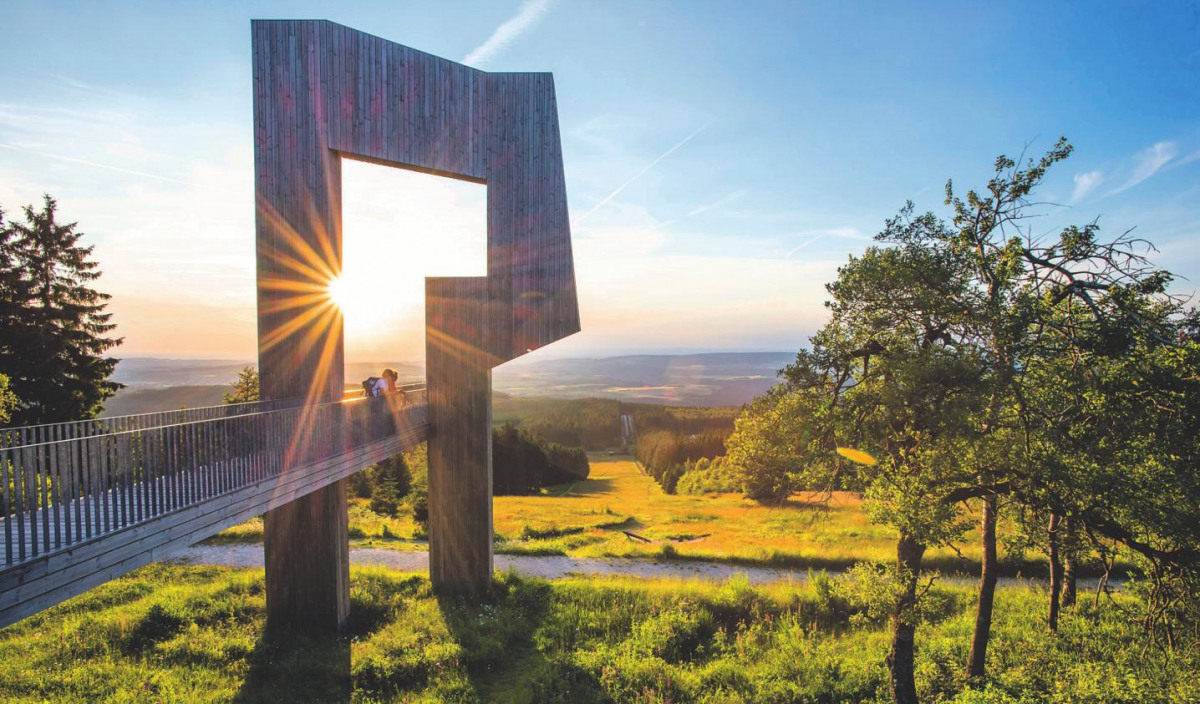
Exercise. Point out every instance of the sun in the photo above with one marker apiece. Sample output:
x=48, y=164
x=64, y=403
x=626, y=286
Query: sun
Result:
x=371, y=305
x=341, y=292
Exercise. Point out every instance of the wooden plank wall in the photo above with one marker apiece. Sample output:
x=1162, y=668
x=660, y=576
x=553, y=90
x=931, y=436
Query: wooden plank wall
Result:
x=322, y=92
x=460, y=446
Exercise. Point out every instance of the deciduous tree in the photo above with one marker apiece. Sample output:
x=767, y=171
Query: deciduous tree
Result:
x=900, y=386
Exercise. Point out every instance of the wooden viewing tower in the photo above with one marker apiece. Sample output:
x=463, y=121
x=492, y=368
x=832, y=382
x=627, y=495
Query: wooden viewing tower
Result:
x=323, y=92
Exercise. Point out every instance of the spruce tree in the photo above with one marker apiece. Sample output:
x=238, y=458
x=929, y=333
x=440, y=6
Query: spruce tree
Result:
x=54, y=329
x=245, y=387
x=392, y=482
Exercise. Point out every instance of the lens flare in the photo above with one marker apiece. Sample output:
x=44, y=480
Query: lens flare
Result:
x=857, y=456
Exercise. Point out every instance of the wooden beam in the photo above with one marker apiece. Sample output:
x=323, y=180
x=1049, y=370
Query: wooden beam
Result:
x=306, y=550
x=459, y=388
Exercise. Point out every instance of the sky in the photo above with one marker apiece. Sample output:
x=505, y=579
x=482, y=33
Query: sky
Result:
x=722, y=158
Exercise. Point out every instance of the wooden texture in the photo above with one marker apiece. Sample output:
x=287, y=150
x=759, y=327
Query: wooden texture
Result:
x=306, y=551
x=323, y=92
x=460, y=446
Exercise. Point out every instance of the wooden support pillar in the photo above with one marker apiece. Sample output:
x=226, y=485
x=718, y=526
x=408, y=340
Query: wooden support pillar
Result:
x=307, y=550
x=459, y=387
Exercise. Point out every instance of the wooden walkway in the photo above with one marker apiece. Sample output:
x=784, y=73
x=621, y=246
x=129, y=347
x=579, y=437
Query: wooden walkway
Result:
x=101, y=501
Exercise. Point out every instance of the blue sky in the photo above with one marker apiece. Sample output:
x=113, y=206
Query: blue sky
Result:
x=722, y=158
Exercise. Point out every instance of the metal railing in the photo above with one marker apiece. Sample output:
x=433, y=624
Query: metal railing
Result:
x=57, y=493
x=53, y=432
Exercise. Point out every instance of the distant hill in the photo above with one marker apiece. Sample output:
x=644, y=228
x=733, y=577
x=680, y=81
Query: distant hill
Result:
x=711, y=379
x=166, y=398
x=137, y=372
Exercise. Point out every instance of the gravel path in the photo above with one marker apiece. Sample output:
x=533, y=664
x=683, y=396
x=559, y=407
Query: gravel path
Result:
x=554, y=566
x=546, y=566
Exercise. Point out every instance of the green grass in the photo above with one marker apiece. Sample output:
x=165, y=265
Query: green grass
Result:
x=177, y=633
x=589, y=519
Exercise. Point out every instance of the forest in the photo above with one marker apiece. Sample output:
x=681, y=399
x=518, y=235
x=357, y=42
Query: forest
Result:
x=595, y=424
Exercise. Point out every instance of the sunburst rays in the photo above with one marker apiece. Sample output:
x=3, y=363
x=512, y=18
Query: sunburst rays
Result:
x=300, y=264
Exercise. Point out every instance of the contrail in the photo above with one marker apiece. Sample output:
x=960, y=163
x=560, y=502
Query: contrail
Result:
x=801, y=246
x=641, y=173
x=849, y=233
x=507, y=33
x=118, y=169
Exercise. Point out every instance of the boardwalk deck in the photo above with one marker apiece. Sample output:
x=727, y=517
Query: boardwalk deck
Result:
x=57, y=545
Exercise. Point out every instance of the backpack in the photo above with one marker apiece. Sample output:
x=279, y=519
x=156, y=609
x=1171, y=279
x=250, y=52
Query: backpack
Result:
x=369, y=386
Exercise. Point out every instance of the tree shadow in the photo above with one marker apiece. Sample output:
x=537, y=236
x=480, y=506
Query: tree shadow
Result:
x=496, y=634
x=293, y=666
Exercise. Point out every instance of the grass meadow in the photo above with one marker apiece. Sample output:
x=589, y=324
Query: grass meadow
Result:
x=186, y=633
x=591, y=518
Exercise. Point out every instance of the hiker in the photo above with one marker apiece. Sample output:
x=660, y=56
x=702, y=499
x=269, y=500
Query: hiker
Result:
x=385, y=384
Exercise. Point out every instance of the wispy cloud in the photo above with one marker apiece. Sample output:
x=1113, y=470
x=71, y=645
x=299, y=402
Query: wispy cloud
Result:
x=510, y=31
x=644, y=170
x=1149, y=162
x=1194, y=156
x=97, y=165
x=1085, y=183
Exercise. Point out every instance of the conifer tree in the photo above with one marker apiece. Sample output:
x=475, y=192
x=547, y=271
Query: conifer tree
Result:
x=54, y=329
x=245, y=387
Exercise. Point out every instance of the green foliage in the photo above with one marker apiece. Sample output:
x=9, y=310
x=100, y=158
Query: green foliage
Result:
x=682, y=420
x=417, y=460
x=245, y=387
x=595, y=424
x=8, y=401
x=566, y=463
x=704, y=476
x=53, y=325
x=522, y=462
x=419, y=503
x=896, y=381
x=666, y=453
x=776, y=447
x=390, y=481
x=1118, y=459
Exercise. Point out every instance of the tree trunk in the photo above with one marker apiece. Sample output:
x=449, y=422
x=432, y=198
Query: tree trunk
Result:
x=1102, y=585
x=1069, y=580
x=987, y=590
x=901, y=660
x=1056, y=571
